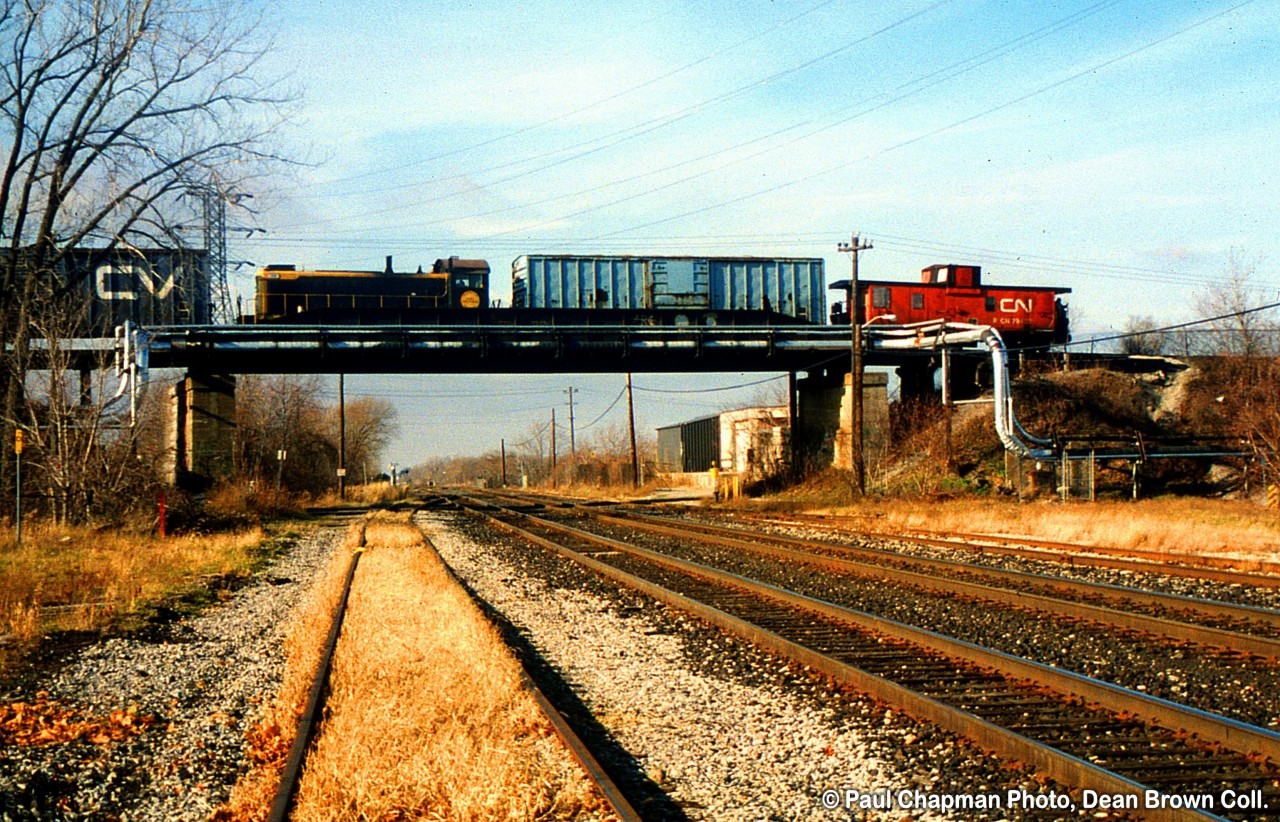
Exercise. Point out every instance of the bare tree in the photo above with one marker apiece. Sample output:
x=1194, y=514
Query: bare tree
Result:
x=532, y=454
x=1240, y=328
x=371, y=422
x=86, y=462
x=1244, y=371
x=282, y=433
x=1142, y=337
x=113, y=110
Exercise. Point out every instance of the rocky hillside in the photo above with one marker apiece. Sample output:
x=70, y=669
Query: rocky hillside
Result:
x=1163, y=401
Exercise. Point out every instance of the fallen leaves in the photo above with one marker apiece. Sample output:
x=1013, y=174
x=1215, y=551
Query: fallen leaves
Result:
x=44, y=721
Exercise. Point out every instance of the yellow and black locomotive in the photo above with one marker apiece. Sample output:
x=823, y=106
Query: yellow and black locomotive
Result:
x=453, y=287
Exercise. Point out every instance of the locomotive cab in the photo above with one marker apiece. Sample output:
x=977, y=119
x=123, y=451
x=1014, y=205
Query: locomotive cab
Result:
x=468, y=281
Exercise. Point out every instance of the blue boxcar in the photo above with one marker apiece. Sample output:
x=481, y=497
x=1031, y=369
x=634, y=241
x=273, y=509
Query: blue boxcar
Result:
x=795, y=287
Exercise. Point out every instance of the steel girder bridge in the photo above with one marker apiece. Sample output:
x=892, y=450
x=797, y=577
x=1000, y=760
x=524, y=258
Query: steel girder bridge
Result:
x=260, y=349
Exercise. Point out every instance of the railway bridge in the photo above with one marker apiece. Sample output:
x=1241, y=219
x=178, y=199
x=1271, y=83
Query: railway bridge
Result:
x=816, y=357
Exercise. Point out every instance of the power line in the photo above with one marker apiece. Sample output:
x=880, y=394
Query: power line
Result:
x=630, y=133
x=909, y=89
x=1093, y=69
x=588, y=107
x=1176, y=326
x=607, y=410
x=889, y=242
x=709, y=390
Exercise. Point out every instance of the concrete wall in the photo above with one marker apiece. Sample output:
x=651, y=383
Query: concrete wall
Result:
x=824, y=418
x=202, y=430
x=875, y=419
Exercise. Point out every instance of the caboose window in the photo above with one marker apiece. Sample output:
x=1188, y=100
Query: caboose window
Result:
x=879, y=297
x=991, y=303
x=917, y=301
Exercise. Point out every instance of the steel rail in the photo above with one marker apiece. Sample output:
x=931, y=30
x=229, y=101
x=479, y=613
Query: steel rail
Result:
x=1064, y=767
x=1230, y=570
x=1229, y=733
x=577, y=748
x=291, y=776
x=1159, y=626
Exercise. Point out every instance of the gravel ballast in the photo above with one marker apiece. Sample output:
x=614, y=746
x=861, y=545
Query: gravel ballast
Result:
x=728, y=732
x=202, y=679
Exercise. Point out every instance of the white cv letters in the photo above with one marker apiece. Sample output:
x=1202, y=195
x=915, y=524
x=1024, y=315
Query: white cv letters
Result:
x=141, y=273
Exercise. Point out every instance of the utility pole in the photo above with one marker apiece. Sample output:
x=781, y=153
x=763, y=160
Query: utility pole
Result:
x=573, y=445
x=503, y=444
x=553, y=448
x=342, y=437
x=856, y=464
x=631, y=420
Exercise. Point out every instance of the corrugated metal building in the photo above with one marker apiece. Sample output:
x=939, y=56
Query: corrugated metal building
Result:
x=689, y=446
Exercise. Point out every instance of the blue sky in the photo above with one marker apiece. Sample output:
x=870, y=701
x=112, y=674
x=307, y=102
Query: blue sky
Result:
x=1119, y=148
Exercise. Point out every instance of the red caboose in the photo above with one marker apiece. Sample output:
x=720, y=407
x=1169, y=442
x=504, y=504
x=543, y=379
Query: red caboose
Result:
x=1024, y=315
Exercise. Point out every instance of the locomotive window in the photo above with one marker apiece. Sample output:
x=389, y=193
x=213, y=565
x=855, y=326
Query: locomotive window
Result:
x=879, y=297
x=917, y=301
x=991, y=303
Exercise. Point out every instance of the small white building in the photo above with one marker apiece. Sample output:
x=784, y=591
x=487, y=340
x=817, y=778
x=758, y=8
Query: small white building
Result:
x=754, y=441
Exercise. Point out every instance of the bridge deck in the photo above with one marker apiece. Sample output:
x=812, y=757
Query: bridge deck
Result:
x=495, y=349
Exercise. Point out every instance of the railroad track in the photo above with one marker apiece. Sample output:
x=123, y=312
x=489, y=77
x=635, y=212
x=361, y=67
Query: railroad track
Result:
x=1233, y=628
x=1084, y=733
x=290, y=779
x=1229, y=570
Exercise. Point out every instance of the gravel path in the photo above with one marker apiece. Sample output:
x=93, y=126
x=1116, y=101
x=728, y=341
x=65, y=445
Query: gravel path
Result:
x=728, y=732
x=202, y=678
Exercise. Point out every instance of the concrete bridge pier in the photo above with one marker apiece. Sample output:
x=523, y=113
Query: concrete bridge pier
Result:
x=824, y=419
x=202, y=430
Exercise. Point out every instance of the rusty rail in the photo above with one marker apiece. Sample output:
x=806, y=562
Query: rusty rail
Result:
x=579, y=749
x=1230, y=570
x=771, y=544
x=1074, y=771
x=282, y=806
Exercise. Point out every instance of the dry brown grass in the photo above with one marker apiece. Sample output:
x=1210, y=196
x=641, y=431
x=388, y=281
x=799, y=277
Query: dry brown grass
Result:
x=271, y=738
x=1182, y=525
x=427, y=717
x=82, y=579
x=368, y=494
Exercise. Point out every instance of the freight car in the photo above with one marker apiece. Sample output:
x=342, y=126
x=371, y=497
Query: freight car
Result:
x=453, y=288
x=1026, y=316
x=680, y=290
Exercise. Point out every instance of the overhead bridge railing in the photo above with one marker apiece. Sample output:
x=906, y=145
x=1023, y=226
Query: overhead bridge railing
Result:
x=492, y=349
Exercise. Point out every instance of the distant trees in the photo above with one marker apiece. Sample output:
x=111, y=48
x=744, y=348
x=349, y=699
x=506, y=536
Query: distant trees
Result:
x=1245, y=371
x=371, y=423
x=1143, y=337
x=285, y=414
x=111, y=112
